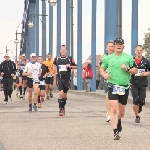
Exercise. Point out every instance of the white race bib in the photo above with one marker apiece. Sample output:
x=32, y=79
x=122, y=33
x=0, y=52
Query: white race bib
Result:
x=62, y=68
x=49, y=75
x=22, y=67
x=36, y=81
x=118, y=90
x=42, y=82
x=140, y=71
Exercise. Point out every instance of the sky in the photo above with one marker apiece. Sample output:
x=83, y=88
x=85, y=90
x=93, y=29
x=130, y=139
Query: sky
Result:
x=11, y=14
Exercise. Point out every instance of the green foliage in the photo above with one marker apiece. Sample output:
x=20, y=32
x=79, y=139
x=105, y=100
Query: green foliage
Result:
x=146, y=45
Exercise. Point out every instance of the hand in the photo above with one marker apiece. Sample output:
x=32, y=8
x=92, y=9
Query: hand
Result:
x=68, y=65
x=2, y=73
x=124, y=67
x=106, y=76
x=29, y=73
x=12, y=75
x=145, y=74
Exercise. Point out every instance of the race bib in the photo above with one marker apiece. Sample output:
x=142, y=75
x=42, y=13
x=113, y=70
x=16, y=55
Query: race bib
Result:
x=140, y=71
x=36, y=81
x=62, y=68
x=42, y=82
x=49, y=75
x=118, y=90
x=21, y=67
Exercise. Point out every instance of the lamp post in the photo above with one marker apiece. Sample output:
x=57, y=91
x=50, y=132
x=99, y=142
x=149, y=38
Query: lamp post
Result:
x=16, y=41
x=7, y=45
x=52, y=2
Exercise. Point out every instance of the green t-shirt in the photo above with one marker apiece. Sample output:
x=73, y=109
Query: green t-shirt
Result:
x=113, y=63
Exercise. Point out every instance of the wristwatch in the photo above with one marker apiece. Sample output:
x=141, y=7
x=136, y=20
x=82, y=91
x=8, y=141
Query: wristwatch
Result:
x=128, y=69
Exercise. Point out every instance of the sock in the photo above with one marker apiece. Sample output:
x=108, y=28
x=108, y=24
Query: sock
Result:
x=20, y=89
x=64, y=101
x=115, y=130
x=39, y=101
x=60, y=101
x=24, y=90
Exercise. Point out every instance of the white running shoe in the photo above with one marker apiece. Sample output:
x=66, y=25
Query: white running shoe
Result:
x=107, y=117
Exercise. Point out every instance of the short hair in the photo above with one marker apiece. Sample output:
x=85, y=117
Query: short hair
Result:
x=64, y=46
x=110, y=41
x=48, y=54
x=139, y=46
x=40, y=56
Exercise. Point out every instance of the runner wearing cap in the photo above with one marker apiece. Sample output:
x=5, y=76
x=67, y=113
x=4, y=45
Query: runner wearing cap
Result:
x=119, y=66
x=32, y=70
x=22, y=79
x=50, y=76
x=7, y=71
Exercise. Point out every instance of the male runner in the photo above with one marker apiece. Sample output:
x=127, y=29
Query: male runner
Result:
x=41, y=92
x=32, y=70
x=50, y=76
x=139, y=81
x=22, y=79
x=64, y=65
x=7, y=71
x=110, y=50
x=119, y=66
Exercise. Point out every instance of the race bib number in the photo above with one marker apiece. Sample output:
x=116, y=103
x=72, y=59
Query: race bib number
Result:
x=35, y=81
x=21, y=67
x=49, y=75
x=42, y=82
x=140, y=71
x=118, y=90
x=62, y=68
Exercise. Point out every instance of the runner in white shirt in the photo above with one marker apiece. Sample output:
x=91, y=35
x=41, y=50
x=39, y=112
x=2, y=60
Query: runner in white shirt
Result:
x=32, y=71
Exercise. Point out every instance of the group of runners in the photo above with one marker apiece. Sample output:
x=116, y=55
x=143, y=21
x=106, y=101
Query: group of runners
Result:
x=120, y=71
x=36, y=77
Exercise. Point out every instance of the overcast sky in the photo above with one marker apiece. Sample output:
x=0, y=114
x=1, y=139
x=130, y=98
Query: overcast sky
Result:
x=11, y=16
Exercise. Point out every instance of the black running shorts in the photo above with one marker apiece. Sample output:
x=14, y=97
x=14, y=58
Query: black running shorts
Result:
x=49, y=80
x=42, y=87
x=63, y=84
x=139, y=94
x=122, y=99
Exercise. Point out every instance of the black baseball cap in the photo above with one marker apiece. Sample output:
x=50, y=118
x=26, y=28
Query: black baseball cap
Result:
x=119, y=40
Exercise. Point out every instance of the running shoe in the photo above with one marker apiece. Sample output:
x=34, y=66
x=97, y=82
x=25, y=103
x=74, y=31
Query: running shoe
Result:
x=30, y=108
x=107, y=117
x=62, y=112
x=6, y=101
x=42, y=99
x=23, y=97
x=137, y=119
x=51, y=95
x=47, y=98
x=39, y=105
x=10, y=99
x=117, y=136
x=17, y=95
x=35, y=107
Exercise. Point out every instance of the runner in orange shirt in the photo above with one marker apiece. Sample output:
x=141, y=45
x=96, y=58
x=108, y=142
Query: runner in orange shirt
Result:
x=50, y=76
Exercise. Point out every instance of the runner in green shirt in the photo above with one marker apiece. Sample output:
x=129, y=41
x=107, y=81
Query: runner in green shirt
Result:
x=120, y=66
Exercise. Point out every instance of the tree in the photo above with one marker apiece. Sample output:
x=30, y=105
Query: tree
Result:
x=146, y=45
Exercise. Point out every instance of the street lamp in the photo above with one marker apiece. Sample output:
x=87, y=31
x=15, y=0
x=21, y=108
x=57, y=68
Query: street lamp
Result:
x=31, y=24
x=52, y=2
